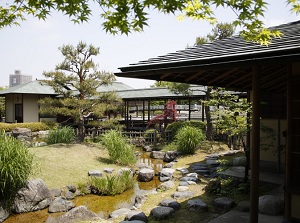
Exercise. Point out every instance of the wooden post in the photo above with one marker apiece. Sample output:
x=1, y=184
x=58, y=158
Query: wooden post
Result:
x=255, y=147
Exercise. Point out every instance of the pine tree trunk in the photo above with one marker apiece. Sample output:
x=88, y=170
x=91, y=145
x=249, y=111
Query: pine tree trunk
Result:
x=81, y=129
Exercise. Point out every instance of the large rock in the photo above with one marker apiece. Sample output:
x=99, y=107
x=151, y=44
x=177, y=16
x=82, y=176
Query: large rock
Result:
x=196, y=205
x=270, y=205
x=166, y=185
x=3, y=214
x=136, y=215
x=145, y=175
x=60, y=205
x=80, y=213
x=139, y=200
x=160, y=213
x=166, y=174
x=157, y=154
x=147, y=148
x=170, y=156
x=23, y=132
x=170, y=203
x=223, y=203
x=34, y=196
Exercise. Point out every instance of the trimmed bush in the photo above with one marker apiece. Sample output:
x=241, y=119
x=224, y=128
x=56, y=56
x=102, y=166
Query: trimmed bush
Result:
x=65, y=134
x=119, y=150
x=112, y=185
x=33, y=126
x=15, y=166
x=175, y=126
x=188, y=139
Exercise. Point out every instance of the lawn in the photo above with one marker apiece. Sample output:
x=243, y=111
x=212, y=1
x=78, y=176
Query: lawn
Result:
x=62, y=164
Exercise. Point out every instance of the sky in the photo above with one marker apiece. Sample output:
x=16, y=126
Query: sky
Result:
x=33, y=46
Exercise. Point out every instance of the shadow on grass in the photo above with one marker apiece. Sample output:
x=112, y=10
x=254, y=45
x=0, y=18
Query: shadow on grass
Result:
x=104, y=160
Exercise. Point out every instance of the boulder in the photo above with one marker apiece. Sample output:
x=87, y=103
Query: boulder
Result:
x=136, y=215
x=55, y=192
x=60, y=205
x=166, y=185
x=69, y=195
x=139, y=200
x=157, y=154
x=182, y=188
x=223, y=203
x=147, y=148
x=3, y=214
x=196, y=205
x=182, y=195
x=170, y=203
x=270, y=205
x=145, y=175
x=170, y=156
x=166, y=174
x=80, y=213
x=160, y=213
x=23, y=132
x=71, y=188
x=119, y=212
x=34, y=196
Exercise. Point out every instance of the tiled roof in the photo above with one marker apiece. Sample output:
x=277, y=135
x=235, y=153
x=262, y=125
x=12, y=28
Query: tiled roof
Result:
x=231, y=58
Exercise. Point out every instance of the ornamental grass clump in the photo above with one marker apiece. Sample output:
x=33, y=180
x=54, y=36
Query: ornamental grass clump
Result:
x=15, y=166
x=119, y=150
x=188, y=139
x=112, y=184
x=65, y=134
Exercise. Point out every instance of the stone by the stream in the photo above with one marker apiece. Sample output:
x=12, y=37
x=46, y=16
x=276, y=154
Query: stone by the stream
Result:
x=145, y=175
x=119, y=212
x=3, y=214
x=170, y=156
x=196, y=205
x=182, y=188
x=182, y=195
x=147, y=148
x=160, y=213
x=166, y=185
x=182, y=170
x=95, y=173
x=170, y=203
x=60, y=205
x=157, y=154
x=80, y=213
x=136, y=215
x=223, y=203
x=55, y=192
x=71, y=188
x=108, y=170
x=195, y=179
x=139, y=200
x=34, y=196
x=169, y=165
x=270, y=205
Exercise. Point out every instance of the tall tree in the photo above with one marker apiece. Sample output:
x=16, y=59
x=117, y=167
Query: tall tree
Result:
x=126, y=16
x=77, y=79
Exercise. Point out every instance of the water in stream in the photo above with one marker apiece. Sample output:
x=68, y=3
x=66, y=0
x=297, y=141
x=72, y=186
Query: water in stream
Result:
x=101, y=205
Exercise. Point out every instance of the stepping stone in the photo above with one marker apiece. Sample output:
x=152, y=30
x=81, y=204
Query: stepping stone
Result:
x=119, y=212
x=270, y=205
x=182, y=195
x=170, y=203
x=182, y=188
x=145, y=175
x=108, y=170
x=160, y=213
x=196, y=205
x=166, y=185
x=95, y=173
x=223, y=203
x=136, y=215
x=183, y=183
x=195, y=179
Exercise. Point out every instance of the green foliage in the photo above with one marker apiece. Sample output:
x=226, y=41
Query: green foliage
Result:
x=78, y=80
x=188, y=139
x=175, y=126
x=127, y=16
x=15, y=166
x=33, y=126
x=112, y=184
x=119, y=150
x=65, y=134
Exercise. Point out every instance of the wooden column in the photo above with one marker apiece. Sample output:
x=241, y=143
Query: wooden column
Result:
x=255, y=150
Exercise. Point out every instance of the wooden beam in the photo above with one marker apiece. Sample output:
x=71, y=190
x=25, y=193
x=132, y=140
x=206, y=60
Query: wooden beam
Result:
x=222, y=76
x=162, y=77
x=191, y=77
x=255, y=147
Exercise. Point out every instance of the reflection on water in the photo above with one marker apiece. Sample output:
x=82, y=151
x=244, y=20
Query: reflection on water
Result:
x=101, y=205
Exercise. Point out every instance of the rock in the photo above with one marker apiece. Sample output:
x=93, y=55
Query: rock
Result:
x=169, y=165
x=60, y=205
x=212, y=162
x=108, y=170
x=170, y=203
x=170, y=156
x=223, y=203
x=119, y=212
x=69, y=195
x=145, y=175
x=160, y=213
x=198, y=166
x=196, y=205
x=166, y=174
x=136, y=215
x=34, y=196
x=191, y=182
x=166, y=185
x=55, y=193
x=94, y=173
x=214, y=156
x=80, y=213
x=3, y=214
x=134, y=221
x=182, y=170
x=144, y=165
x=239, y=161
x=243, y=206
x=183, y=183
x=139, y=200
x=182, y=188
x=157, y=154
x=192, y=175
x=71, y=188
x=182, y=195
x=195, y=179
x=270, y=205
x=147, y=148
x=23, y=132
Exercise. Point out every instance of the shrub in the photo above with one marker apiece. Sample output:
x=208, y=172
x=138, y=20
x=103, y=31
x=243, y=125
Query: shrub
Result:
x=33, y=126
x=175, y=126
x=119, y=150
x=15, y=166
x=65, y=134
x=188, y=139
x=112, y=185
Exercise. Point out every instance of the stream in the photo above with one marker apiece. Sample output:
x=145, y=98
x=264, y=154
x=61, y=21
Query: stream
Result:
x=101, y=205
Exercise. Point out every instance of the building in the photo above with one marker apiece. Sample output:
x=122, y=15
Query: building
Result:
x=18, y=78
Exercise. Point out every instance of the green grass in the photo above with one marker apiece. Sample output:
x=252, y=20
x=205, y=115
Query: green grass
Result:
x=63, y=164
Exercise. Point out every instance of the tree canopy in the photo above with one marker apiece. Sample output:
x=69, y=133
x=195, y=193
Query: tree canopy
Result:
x=125, y=16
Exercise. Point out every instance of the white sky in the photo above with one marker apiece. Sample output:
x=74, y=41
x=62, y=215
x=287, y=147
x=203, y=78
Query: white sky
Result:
x=33, y=46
